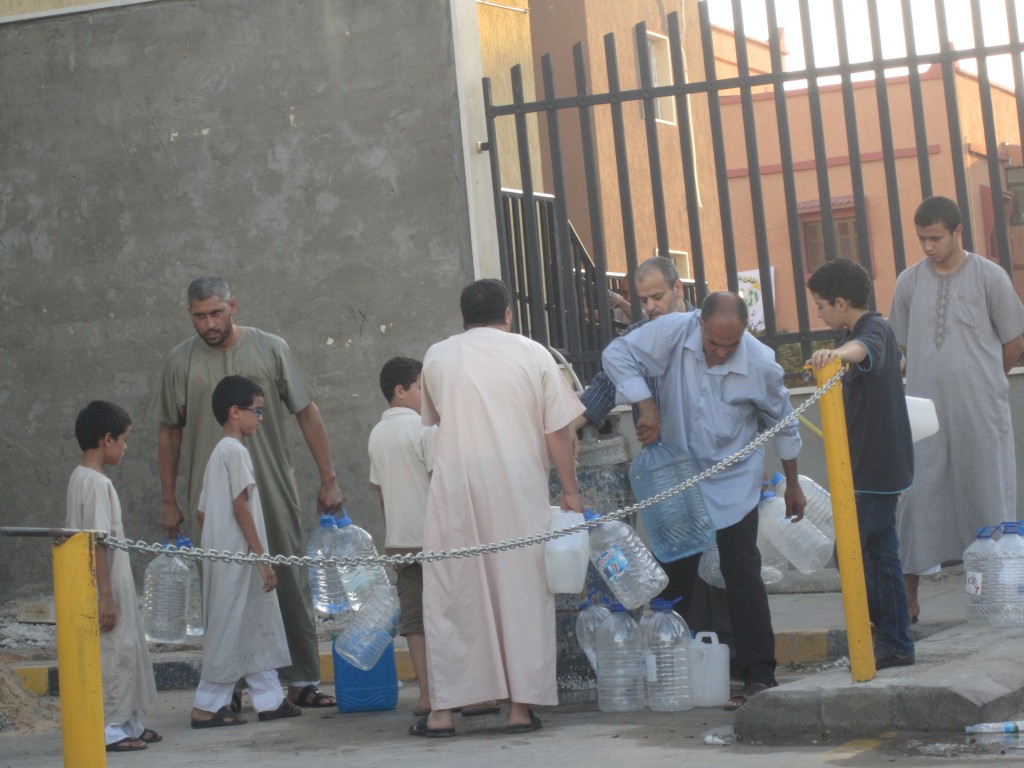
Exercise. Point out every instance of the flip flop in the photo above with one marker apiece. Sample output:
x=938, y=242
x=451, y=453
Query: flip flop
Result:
x=420, y=712
x=420, y=728
x=534, y=725
x=311, y=697
x=287, y=709
x=127, y=744
x=150, y=736
x=221, y=718
x=747, y=692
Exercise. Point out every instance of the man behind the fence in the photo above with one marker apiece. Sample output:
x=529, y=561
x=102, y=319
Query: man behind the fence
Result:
x=716, y=385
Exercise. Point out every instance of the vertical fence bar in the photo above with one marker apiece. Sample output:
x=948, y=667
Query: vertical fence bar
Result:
x=1013, y=26
x=78, y=651
x=892, y=183
x=924, y=165
x=853, y=143
x=788, y=178
x=566, y=281
x=621, y=155
x=718, y=147
x=593, y=197
x=535, y=280
x=499, y=202
x=653, y=149
x=686, y=155
x=828, y=225
x=754, y=167
x=956, y=153
x=995, y=170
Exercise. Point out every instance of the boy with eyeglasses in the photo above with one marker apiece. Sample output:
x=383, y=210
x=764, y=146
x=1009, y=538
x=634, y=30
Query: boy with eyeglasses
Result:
x=244, y=632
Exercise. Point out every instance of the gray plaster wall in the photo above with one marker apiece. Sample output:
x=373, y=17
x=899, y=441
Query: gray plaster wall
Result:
x=311, y=152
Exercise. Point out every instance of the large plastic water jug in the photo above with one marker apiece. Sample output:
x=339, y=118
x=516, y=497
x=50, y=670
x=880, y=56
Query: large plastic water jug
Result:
x=366, y=690
x=371, y=630
x=620, y=677
x=678, y=526
x=975, y=563
x=325, y=582
x=802, y=543
x=709, y=670
x=194, y=620
x=774, y=565
x=924, y=422
x=166, y=587
x=819, y=502
x=592, y=614
x=566, y=558
x=360, y=581
x=1002, y=593
x=666, y=643
x=625, y=564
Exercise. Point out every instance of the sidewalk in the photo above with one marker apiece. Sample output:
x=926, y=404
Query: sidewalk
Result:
x=958, y=680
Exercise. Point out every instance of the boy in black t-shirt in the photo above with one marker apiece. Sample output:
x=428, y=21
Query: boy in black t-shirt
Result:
x=881, y=451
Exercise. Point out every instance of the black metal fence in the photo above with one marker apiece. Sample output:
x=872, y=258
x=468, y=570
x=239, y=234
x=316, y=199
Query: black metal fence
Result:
x=561, y=290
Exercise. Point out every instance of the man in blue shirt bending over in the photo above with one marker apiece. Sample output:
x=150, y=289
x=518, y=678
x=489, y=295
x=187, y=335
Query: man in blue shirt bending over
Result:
x=717, y=386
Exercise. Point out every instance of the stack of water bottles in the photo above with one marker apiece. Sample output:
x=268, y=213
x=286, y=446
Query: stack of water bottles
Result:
x=637, y=663
x=994, y=573
x=364, y=589
x=167, y=586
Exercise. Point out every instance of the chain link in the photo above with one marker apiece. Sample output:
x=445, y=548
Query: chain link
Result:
x=482, y=549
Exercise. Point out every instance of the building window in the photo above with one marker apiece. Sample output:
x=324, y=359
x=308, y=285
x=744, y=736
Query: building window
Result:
x=682, y=260
x=812, y=231
x=661, y=74
x=1015, y=186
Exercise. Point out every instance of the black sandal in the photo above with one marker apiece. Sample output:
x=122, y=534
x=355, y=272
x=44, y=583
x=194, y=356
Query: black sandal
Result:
x=311, y=697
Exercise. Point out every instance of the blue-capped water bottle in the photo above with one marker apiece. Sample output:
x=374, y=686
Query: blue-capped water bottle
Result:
x=677, y=526
x=592, y=614
x=370, y=630
x=1002, y=597
x=626, y=565
x=325, y=583
x=666, y=644
x=975, y=564
x=165, y=598
x=194, y=620
x=360, y=581
x=620, y=679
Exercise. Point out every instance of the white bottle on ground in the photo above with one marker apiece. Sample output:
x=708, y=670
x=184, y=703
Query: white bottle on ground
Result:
x=975, y=563
x=666, y=643
x=1002, y=596
x=620, y=670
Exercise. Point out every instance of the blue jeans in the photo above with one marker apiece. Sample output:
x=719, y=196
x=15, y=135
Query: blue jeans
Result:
x=883, y=575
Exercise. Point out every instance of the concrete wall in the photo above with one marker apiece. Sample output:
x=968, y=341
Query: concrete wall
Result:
x=314, y=153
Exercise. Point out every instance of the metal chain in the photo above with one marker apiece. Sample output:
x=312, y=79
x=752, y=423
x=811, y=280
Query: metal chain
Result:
x=499, y=546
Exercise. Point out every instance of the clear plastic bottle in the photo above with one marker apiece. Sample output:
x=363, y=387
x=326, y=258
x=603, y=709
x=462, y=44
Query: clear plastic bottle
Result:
x=165, y=598
x=592, y=614
x=774, y=564
x=620, y=675
x=360, y=581
x=666, y=644
x=678, y=526
x=625, y=564
x=371, y=629
x=819, y=502
x=325, y=582
x=710, y=567
x=194, y=622
x=975, y=561
x=1002, y=597
x=807, y=548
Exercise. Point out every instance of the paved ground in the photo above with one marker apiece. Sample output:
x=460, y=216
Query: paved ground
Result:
x=965, y=674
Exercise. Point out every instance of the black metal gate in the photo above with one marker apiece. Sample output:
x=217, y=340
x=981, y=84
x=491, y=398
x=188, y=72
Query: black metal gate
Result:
x=560, y=289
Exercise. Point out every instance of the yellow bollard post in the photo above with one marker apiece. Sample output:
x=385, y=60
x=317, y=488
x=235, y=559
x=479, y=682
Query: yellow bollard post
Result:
x=844, y=513
x=78, y=651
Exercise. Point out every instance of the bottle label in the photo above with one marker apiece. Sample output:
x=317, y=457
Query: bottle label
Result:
x=612, y=564
x=651, y=667
x=974, y=580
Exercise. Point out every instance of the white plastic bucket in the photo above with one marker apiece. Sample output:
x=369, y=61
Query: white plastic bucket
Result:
x=923, y=420
x=566, y=558
x=709, y=670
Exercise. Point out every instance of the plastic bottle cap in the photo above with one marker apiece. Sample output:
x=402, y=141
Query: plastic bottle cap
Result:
x=326, y=521
x=767, y=495
x=777, y=478
x=617, y=608
x=343, y=520
x=589, y=514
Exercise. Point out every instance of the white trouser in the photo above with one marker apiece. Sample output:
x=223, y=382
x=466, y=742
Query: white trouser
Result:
x=129, y=729
x=264, y=690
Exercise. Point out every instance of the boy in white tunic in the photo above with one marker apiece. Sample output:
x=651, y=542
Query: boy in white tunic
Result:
x=128, y=687
x=244, y=631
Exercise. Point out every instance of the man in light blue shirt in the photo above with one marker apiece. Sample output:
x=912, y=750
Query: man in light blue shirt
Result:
x=717, y=387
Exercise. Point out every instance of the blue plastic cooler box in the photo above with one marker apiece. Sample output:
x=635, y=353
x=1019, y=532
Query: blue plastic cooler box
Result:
x=371, y=690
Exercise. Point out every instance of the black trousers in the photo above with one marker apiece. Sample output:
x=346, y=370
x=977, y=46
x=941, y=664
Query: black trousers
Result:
x=753, y=637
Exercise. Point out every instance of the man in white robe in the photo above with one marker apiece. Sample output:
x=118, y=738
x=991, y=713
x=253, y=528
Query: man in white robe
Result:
x=503, y=408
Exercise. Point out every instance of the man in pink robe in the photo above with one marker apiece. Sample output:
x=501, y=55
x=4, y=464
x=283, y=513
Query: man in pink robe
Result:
x=503, y=408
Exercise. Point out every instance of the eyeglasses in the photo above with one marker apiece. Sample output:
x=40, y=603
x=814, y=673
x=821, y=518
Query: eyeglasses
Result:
x=257, y=411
